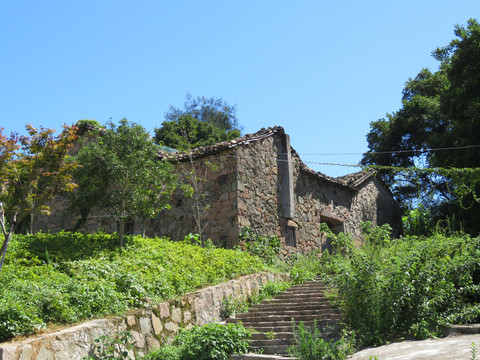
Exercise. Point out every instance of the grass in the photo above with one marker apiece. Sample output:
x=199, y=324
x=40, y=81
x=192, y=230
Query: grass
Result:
x=69, y=277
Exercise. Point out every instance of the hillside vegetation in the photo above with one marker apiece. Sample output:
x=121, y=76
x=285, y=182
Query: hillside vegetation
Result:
x=412, y=287
x=68, y=277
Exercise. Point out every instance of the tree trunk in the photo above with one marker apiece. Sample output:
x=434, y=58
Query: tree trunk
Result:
x=121, y=231
x=6, y=241
x=3, y=250
x=31, y=223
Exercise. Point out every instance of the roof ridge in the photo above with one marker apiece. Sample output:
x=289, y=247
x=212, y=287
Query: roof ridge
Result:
x=200, y=151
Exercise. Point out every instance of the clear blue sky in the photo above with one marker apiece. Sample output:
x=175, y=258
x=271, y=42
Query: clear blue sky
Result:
x=321, y=69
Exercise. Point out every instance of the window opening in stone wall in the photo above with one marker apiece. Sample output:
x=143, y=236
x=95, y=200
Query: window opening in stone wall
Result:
x=335, y=225
x=290, y=236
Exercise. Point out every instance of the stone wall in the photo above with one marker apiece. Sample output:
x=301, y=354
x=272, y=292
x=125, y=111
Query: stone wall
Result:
x=319, y=200
x=259, y=186
x=261, y=182
x=150, y=327
x=216, y=196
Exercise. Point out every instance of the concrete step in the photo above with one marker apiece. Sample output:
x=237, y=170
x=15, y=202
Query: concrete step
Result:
x=322, y=316
x=296, y=313
x=288, y=328
x=277, y=335
x=272, y=342
x=293, y=297
x=253, y=356
x=306, y=289
x=291, y=306
x=302, y=303
x=273, y=350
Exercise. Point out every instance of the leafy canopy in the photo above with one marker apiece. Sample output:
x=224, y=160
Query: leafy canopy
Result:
x=213, y=110
x=188, y=133
x=438, y=126
x=33, y=169
x=120, y=172
x=202, y=121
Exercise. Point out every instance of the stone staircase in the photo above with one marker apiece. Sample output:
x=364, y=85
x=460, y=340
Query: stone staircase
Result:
x=272, y=320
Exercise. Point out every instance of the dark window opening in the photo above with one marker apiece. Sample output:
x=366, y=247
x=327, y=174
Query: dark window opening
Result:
x=290, y=236
x=335, y=225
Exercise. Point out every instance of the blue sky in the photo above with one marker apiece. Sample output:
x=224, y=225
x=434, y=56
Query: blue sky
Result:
x=322, y=70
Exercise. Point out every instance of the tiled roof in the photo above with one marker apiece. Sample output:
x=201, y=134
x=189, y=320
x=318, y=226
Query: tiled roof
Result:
x=225, y=145
x=355, y=179
x=351, y=180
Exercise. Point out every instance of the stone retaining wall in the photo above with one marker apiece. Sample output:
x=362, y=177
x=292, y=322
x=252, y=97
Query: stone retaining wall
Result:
x=150, y=327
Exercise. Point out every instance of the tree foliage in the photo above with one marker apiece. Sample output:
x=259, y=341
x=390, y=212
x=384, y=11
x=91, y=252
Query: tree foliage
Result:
x=188, y=132
x=202, y=121
x=438, y=126
x=33, y=169
x=120, y=173
x=389, y=289
x=212, y=110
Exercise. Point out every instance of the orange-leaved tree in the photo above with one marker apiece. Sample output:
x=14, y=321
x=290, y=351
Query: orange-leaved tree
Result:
x=33, y=169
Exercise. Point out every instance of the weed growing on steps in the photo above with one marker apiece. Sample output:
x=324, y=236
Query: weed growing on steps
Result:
x=309, y=344
x=473, y=351
x=270, y=335
x=232, y=306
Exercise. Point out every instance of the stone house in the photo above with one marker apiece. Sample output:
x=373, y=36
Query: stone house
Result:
x=259, y=181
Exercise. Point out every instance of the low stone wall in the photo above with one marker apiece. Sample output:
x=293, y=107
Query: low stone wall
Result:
x=150, y=327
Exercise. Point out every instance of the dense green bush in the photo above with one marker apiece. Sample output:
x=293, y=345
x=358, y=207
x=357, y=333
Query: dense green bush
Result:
x=408, y=287
x=166, y=352
x=67, y=277
x=267, y=248
x=303, y=267
x=212, y=341
x=208, y=342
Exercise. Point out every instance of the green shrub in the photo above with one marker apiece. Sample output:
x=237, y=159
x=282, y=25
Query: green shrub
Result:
x=117, y=348
x=341, y=243
x=409, y=287
x=212, y=341
x=266, y=248
x=309, y=345
x=232, y=306
x=17, y=318
x=304, y=268
x=167, y=352
x=269, y=291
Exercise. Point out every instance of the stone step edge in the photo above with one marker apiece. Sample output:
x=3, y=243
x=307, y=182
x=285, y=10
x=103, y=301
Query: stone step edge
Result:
x=254, y=356
x=457, y=329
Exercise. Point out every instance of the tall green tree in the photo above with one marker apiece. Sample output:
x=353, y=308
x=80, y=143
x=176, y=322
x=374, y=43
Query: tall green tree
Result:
x=213, y=110
x=120, y=172
x=438, y=126
x=188, y=132
x=202, y=121
x=33, y=169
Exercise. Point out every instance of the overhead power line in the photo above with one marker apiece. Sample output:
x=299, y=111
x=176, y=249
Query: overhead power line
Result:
x=334, y=164
x=397, y=151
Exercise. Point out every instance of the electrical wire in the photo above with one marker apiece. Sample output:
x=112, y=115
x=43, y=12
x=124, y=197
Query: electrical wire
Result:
x=397, y=151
